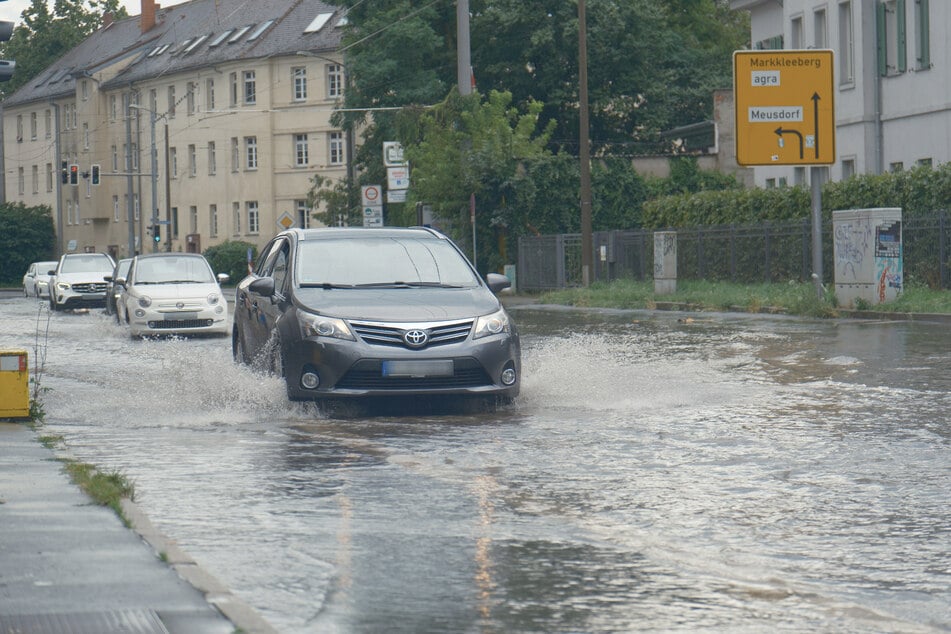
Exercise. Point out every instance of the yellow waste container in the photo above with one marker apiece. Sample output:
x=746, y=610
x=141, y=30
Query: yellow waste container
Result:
x=14, y=384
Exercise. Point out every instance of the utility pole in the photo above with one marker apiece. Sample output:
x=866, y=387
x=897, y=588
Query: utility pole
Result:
x=463, y=57
x=154, y=161
x=584, y=153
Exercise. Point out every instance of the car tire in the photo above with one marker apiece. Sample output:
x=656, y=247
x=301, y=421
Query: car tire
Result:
x=54, y=307
x=238, y=351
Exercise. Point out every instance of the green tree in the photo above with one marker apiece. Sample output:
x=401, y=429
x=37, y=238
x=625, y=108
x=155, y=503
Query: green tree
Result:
x=470, y=146
x=26, y=236
x=43, y=36
x=331, y=201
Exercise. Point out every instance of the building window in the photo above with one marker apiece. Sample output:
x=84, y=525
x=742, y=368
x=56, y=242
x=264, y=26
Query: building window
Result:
x=193, y=219
x=190, y=98
x=115, y=159
x=85, y=135
x=84, y=89
x=922, y=35
x=302, y=213
x=250, y=96
x=300, y=150
x=795, y=32
x=48, y=120
x=254, y=220
x=334, y=80
x=173, y=162
x=209, y=94
x=235, y=154
x=846, y=44
x=299, y=76
x=135, y=157
x=153, y=100
x=136, y=209
x=36, y=179
x=192, y=160
x=19, y=128
x=212, y=159
x=233, y=77
x=335, y=148
x=75, y=115
x=113, y=107
x=925, y=162
x=213, y=220
x=33, y=126
x=49, y=177
x=236, y=217
x=251, y=152
x=819, y=30
x=174, y=219
x=892, y=52
x=171, y=102
x=896, y=167
x=115, y=207
x=21, y=181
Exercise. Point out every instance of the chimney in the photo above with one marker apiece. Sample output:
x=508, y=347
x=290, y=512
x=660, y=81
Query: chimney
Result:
x=107, y=19
x=147, y=19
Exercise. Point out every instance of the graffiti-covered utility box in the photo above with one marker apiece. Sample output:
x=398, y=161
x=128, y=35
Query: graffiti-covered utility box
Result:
x=14, y=384
x=868, y=255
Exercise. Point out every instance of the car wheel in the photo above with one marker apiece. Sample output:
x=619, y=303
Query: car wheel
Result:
x=238, y=351
x=276, y=359
x=53, y=306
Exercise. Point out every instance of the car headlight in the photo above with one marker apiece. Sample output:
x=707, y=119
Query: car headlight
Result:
x=63, y=286
x=312, y=325
x=145, y=301
x=213, y=299
x=492, y=324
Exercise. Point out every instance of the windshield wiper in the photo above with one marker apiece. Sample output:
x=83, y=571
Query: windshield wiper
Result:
x=324, y=285
x=406, y=285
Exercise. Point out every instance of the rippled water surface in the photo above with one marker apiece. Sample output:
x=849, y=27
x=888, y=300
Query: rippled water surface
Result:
x=659, y=472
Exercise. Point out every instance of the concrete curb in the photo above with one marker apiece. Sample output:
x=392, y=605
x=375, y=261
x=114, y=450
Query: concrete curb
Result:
x=216, y=593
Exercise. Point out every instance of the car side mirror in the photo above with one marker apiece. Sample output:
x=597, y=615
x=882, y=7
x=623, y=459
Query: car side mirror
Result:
x=120, y=281
x=262, y=286
x=223, y=277
x=51, y=272
x=497, y=282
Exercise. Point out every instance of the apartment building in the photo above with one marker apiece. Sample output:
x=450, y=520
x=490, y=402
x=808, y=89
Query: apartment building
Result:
x=893, y=97
x=209, y=118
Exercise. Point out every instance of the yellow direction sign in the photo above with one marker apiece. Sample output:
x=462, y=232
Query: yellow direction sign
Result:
x=785, y=111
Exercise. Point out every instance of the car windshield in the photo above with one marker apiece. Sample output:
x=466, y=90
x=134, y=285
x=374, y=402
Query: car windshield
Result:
x=86, y=264
x=382, y=261
x=173, y=270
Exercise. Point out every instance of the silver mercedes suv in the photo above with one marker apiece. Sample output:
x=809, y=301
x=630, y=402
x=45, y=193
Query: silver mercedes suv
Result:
x=79, y=281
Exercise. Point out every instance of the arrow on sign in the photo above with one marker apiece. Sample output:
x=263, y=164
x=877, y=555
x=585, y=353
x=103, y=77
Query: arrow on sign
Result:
x=815, y=119
x=780, y=132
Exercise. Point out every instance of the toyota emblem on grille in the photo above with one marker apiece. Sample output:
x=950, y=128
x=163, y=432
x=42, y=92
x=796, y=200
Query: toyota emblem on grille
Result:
x=415, y=338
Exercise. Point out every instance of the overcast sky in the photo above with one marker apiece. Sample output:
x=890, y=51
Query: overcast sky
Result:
x=10, y=10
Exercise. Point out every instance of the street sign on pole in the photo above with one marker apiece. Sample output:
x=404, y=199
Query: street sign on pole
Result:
x=785, y=111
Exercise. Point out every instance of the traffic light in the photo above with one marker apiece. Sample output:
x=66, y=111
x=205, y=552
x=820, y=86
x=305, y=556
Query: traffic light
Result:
x=7, y=66
x=157, y=233
x=65, y=173
x=95, y=173
x=73, y=174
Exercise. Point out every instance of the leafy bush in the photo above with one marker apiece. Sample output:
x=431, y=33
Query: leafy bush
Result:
x=26, y=236
x=231, y=257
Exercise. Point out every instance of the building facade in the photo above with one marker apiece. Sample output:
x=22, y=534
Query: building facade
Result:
x=207, y=119
x=893, y=97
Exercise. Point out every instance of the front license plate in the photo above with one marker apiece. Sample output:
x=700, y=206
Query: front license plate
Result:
x=418, y=369
x=181, y=316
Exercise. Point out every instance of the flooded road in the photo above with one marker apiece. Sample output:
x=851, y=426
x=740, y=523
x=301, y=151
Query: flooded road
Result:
x=659, y=472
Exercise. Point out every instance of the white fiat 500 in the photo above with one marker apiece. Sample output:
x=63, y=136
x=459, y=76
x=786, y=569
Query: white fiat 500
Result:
x=172, y=294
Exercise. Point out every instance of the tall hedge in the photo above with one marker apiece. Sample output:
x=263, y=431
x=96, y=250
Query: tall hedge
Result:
x=920, y=190
x=231, y=257
x=26, y=236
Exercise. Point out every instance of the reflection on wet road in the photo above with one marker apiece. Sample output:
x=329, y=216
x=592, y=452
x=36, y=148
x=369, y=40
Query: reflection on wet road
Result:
x=659, y=472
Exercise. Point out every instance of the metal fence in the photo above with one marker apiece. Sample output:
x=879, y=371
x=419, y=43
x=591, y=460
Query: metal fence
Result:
x=764, y=252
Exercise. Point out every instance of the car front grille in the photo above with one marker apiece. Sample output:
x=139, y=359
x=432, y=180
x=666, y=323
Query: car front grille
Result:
x=368, y=375
x=388, y=334
x=180, y=325
x=90, y=287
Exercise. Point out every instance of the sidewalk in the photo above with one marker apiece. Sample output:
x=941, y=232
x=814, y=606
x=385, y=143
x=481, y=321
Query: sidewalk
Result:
x=69, y=565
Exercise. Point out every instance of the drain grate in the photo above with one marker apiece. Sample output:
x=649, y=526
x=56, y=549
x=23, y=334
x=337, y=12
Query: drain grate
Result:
x=115, y=622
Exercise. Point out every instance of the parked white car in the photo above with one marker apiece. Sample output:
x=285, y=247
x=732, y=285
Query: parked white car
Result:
x=36, y=281
x=172, y=294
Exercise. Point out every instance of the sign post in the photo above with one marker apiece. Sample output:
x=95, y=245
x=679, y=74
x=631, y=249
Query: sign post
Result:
x=785, y=115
